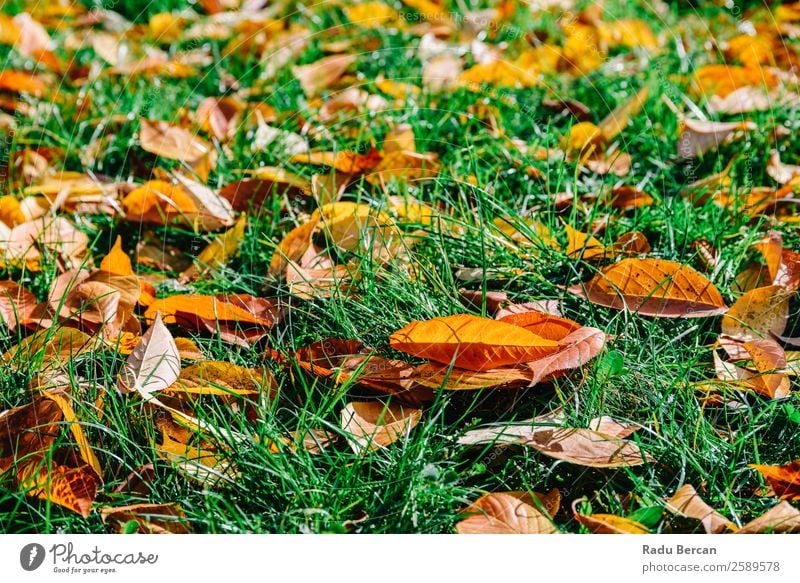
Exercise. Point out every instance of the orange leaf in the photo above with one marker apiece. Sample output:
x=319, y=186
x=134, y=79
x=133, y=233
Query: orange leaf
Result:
x=471, y=342
x=653, y=287
x=157, y=201
x=20, y=82
x=544, y=325
x=372, y=425
x=785, y=480
x=117, y=261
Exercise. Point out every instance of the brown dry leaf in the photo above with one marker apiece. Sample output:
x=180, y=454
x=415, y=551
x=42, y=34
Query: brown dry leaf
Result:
x=441, y=72
x=29, y=243
x=28, y=431
x=500, y=73
x=16, y=303
x=314, y=441
x=584, y=447
x=371, y=425
x=350, y=361
x=697, y=137
x=350, y=225
x=631, y=244
x=742, y=100
x=74, y=488
x=217, y=253
x=219, y=116
x=477, y=299
x=471, y=342
x=177, y=143
x=238, y=318
x=191, y=454
x=780, y=172
x=159, y=202
x=686, y=502
x=322, y=74
x=784, y=480
x=194, y=310
x=153, y=365
x=149, y=518
x=628, y=197
x=252, y=193
x=399, y=138
x=549, y=307
x=769, y=359
x=653, y=287
x=350, y=104
x=506, y=513
x=405, y=166
x=781, y=518
x=436, y=376
x=311, y=283
x=783, y=265
x=757, y=314
x=55, y=347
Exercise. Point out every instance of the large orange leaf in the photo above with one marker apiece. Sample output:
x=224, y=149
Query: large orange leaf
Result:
x=653, y=287
x=545, y=325
x=785, y=480
x=471, y=342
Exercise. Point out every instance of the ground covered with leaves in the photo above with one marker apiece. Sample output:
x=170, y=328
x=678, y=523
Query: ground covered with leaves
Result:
x=399, y=266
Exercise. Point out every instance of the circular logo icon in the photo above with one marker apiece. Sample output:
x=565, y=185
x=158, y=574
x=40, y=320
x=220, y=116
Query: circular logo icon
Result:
x=31, y=556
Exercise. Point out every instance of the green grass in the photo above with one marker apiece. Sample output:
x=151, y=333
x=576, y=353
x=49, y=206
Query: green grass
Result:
x=422, y=483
